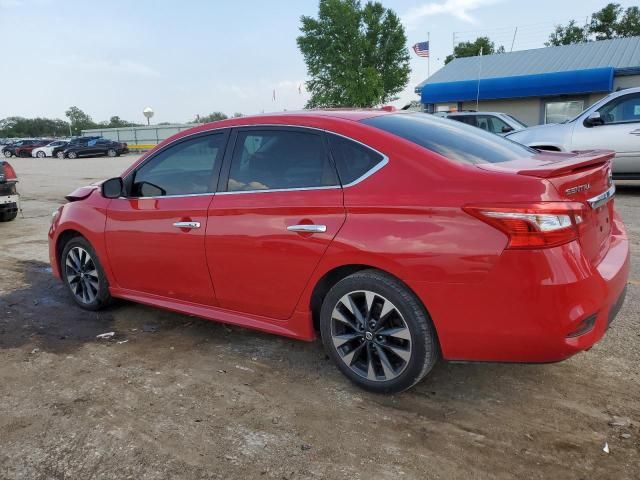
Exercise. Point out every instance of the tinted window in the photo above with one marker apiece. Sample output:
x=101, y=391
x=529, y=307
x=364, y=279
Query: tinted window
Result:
x=492, y=124
x=468, y=119
x=272, y=159
x=352, y=159
x=189, y=167
x=451, y=139
x=623, y=109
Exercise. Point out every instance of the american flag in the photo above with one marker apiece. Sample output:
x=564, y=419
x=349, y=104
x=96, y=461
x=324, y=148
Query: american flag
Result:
x=421, y=49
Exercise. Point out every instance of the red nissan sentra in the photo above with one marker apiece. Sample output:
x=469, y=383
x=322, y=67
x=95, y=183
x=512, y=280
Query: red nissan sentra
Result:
x=401, y=238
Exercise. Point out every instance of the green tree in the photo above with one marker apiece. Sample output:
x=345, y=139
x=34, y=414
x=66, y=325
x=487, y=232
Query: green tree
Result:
x=212, y=117
x=32, y=127
x=566, y=35
x=117, y=122
x=604, y=23
x=473, y=49
x=79, y=120
x=356, y=56
x=629, y=24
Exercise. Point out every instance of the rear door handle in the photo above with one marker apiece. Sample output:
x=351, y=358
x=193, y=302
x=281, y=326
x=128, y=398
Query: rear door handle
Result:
x=187, y=224
x=635, y=132
x=307, y=228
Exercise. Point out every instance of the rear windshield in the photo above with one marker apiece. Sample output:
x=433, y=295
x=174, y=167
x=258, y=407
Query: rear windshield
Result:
x=453, y=140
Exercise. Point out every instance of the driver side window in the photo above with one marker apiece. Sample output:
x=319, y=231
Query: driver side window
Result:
x=187, y=168
x=621, y=110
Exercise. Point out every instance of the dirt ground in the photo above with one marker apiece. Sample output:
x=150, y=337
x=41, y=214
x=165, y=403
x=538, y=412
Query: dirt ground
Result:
x=172, y=396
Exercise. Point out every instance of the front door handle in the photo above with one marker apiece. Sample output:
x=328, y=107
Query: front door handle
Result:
x=635, y=132
x=307, y=228
x=187, y=224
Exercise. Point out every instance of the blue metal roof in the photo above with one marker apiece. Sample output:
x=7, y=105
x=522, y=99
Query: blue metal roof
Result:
x=622, y=55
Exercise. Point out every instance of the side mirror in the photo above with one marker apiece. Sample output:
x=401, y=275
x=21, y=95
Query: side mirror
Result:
x=112, y=188
x=594, y=119
x=507, y=129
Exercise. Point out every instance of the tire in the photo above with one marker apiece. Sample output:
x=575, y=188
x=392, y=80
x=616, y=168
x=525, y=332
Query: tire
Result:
x=60, y=155
x=8, y=216
x=72, y=155
x=112, y=153
x=389, y=357
x=83, y=275
x=7, y=154
x=41, y=154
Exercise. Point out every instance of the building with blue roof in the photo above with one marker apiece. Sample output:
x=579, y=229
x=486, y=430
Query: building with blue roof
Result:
x=544, y=85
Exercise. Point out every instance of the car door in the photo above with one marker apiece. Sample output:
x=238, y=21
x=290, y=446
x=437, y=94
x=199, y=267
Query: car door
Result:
x=278, y=208
x=155, y=236
x=619, y=131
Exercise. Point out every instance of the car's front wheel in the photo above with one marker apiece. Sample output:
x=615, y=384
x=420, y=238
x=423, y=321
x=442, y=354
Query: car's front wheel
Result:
x=60, y=155
x=7, y=154
x=112, y=153
x=83, y=275
x=41, y=154
x=377, y=332
x=72, y=155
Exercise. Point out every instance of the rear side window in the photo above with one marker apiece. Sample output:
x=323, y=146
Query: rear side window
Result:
x=453, y=140
x=279, y=160
x=468, y=119
x=353, y=160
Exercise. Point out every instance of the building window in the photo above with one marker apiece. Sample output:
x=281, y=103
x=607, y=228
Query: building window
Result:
x=557, y=112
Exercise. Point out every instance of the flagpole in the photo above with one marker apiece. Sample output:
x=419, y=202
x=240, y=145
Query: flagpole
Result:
x=429, y=57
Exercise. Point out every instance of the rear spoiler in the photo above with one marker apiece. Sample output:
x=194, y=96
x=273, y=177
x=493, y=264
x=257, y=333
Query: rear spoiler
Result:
x=580, y=161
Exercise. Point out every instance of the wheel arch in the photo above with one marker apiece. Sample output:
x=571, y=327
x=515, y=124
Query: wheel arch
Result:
x=63, y=238
x=338, y=273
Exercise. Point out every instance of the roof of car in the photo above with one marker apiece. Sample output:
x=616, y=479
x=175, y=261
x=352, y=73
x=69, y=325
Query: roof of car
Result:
x=476, y=113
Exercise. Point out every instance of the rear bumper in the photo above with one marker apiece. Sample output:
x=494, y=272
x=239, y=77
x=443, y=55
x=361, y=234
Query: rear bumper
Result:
x=531, y=307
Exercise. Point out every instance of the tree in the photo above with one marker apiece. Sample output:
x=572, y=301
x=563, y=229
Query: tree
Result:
x=212, y=117
x=604, y=23
x=79, y=120
x=629, y=24
x=473, y=49
x=13, y=127
x=356, y=56
x=566, y=35
x=117, y=122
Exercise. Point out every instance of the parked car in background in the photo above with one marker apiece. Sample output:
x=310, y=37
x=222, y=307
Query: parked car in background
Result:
x=340, y=221
x=8, y=193
x=57, y=151
x=47, y=150
x=24, y=150
x=612, y=123
x=94, y=148
x=494, y=122
x=18, y=148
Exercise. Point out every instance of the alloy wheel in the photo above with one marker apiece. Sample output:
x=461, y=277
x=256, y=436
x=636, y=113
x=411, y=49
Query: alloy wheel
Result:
x=82, y=275
x=370, y=335
x=41, y=154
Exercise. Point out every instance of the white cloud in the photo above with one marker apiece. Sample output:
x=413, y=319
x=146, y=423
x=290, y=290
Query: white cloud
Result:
x=460, y=9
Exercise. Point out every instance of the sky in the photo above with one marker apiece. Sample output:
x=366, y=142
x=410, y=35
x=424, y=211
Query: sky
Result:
x=189, y=57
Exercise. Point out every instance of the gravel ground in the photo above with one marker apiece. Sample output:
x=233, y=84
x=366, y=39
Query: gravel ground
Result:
x=172, y=396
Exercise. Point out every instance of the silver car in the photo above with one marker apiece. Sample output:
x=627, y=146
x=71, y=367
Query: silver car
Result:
x=494, y=122
x=613, y=123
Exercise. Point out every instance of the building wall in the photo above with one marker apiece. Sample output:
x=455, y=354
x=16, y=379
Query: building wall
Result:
x=139, y=138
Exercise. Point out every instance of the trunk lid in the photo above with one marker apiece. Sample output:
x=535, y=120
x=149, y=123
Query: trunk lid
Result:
x=583, y=177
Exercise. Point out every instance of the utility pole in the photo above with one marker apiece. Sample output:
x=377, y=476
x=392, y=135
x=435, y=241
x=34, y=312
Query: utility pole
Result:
x=515, y=32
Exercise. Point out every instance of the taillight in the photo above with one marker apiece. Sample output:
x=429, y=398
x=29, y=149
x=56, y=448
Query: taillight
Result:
x=537, y=225
x=9, y=172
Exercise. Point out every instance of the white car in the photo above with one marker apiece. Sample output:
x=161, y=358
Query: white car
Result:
x=613, y=123
x=494, y=122
x=47, y=150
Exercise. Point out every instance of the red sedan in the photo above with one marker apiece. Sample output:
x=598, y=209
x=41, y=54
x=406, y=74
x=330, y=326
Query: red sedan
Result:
x=401, y=238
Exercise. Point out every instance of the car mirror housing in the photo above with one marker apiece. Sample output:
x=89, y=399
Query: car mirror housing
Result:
x=507, y=129
x=593, y=120
x=112, y=188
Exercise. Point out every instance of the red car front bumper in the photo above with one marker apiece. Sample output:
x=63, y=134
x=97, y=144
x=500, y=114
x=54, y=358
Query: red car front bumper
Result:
x=531, y=305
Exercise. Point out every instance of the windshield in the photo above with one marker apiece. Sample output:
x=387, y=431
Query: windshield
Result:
x=518, y=122
x=454, y=140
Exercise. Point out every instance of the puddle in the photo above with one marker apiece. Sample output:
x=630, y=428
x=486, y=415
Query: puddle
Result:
x=43, y=314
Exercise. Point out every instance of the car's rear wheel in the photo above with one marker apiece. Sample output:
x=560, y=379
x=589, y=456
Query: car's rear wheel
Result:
x=72, y=155
x=112, y=153
x=41, y=154
x=83, y=275
x=7, y=154
x=60, y=155
x=378, y=332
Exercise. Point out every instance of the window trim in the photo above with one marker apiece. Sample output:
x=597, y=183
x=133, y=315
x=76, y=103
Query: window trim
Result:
x=228, y=151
